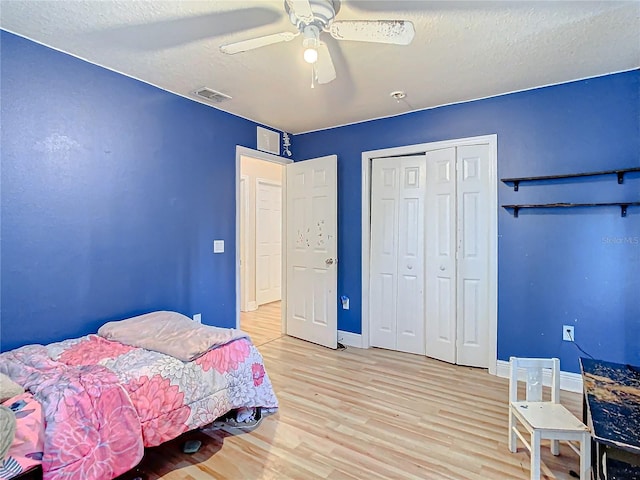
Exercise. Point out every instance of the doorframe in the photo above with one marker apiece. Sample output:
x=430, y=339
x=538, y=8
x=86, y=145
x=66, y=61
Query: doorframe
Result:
x=367, y=158
x=268, y=157
x=243, y=206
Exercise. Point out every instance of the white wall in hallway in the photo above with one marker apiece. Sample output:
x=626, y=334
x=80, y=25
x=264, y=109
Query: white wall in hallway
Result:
x=254, y=169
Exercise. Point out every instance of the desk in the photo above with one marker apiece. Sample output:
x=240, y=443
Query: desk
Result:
x=611, y=408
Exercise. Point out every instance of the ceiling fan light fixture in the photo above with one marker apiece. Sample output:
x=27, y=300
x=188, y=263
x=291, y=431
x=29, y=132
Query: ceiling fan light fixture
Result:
x=310, y=55
x=310, y=43
x=313, y=17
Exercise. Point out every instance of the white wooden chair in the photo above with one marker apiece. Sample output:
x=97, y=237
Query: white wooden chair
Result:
x=544, y=420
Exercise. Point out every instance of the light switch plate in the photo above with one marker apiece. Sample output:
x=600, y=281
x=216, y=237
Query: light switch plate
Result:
x=218, y=246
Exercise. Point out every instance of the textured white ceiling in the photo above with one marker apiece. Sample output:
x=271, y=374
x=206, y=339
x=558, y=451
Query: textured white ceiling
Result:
x=461, y=51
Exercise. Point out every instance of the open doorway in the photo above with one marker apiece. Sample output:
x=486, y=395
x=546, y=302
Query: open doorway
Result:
x=309, y=246
x=261, y=182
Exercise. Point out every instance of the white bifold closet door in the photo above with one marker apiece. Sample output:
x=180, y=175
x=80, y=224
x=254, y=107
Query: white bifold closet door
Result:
x=397, y=253
x=457, y=261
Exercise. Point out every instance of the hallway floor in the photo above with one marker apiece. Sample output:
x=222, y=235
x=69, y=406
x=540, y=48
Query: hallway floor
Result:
x=263, y=325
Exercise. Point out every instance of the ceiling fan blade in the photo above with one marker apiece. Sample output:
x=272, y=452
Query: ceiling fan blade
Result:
x=244, y=45
x=174, y=32
x=301, y=9
x=325, y=71
x=398, y=32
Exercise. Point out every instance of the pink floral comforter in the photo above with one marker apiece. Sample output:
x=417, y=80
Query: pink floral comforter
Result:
x=26, y=448
x=89, y=418
x=103, y=400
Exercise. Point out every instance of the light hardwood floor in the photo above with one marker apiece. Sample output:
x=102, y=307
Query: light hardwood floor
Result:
x=263, y=325
x=366, y=414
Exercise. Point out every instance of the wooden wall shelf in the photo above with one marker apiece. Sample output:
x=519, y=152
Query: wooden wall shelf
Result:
x=618, y=172
x=623, y=206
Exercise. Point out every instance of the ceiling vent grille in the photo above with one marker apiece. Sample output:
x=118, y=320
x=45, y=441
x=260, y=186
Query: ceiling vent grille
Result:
x=211, y=95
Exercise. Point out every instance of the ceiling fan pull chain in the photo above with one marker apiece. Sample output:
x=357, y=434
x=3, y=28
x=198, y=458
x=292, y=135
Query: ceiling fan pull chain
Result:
x=313, y=75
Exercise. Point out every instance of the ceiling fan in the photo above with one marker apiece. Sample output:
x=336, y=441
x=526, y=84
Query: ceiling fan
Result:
x=311, y=18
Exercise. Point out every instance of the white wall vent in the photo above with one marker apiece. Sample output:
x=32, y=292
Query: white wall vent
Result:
x=211, y=95
x=268, y=140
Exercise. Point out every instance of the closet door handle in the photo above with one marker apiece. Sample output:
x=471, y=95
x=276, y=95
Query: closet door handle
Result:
x=442, y=268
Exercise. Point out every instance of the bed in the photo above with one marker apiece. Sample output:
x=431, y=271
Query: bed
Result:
x=137, y=383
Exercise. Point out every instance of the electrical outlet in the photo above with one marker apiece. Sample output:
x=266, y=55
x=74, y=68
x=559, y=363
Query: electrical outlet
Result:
x=197, y=317
x=567, y=333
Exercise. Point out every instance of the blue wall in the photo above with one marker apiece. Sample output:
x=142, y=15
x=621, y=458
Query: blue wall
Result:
x=112, y=194
x=579, y=267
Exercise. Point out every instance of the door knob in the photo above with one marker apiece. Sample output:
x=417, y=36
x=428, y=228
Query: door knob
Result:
x=442, y=268
x=329, y=261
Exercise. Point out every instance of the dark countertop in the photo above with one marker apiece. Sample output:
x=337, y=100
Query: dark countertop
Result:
x=613, y=398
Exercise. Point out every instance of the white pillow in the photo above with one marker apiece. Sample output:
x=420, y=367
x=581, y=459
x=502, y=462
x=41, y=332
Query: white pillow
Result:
x=170, y=333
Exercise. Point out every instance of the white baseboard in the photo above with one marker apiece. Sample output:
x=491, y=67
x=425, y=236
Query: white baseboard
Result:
x=571, y=382
x=350, y=339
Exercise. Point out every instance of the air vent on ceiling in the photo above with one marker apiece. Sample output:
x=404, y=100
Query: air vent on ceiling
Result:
x=211, y=95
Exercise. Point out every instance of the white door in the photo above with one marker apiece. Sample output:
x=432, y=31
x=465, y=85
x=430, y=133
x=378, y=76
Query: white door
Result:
x=397, y=253
x=457, y=263
x=311, y=250
x=441, y=255
x=473, y=187
x=268, y=241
